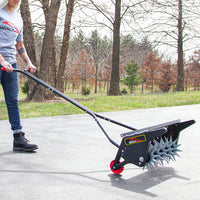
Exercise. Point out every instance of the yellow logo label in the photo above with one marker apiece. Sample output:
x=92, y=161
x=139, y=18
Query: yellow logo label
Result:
x=135, y=139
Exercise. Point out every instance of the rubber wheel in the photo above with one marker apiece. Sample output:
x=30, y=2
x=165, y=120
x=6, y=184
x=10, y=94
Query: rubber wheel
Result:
x=118, y=171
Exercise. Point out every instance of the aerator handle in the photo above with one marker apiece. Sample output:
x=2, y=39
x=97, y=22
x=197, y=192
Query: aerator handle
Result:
x=4, y=69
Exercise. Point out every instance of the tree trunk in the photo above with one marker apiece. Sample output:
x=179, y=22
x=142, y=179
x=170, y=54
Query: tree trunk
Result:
x=65, y=44
x=53, y=66
x=114, y=82
x=96, y=78
x=48, y=63
x=29, y=43
x=152, y=84
x=180, y=78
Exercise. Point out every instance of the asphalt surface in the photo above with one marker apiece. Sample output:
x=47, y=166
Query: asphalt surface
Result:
x=73, y=159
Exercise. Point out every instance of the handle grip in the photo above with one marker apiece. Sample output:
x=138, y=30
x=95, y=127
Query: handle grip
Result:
x=4, y=69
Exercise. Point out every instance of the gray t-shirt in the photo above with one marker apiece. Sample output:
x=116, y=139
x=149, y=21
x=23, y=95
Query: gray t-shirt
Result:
x=11, y=30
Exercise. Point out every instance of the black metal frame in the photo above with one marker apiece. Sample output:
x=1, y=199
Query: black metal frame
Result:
x=75, y=103
x=136, y=142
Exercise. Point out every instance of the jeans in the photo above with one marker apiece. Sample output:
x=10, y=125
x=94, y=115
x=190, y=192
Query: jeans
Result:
x=10, y=86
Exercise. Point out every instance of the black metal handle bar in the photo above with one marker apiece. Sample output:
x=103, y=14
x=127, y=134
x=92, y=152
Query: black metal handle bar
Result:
x=93, y=114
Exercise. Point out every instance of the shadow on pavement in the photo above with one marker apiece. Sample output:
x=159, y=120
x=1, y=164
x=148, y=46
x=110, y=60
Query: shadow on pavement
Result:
x=142, y=182
x=137, y=184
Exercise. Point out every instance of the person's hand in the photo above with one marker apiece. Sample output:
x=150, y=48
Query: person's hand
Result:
x=8, y=67
x=31, y=68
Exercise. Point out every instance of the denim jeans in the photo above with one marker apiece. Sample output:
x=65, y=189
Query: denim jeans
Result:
x=10, y=86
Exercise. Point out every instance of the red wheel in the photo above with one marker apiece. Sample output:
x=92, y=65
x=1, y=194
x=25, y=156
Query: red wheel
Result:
x=118, y=171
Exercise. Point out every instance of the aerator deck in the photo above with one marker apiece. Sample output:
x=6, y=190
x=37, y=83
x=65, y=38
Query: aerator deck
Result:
x=147, y=147
x=151, y=146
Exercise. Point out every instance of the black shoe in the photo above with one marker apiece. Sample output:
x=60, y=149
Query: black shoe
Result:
x=20, y=143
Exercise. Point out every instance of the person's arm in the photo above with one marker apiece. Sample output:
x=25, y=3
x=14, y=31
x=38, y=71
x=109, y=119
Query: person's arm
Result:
x=5, y=64
x=22, y=52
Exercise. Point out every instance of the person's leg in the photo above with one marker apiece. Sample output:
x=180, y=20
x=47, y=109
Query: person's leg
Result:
x=11, y=90
x=0, y=74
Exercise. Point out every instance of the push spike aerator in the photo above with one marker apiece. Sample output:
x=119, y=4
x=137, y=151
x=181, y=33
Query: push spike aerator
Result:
x=148, y=147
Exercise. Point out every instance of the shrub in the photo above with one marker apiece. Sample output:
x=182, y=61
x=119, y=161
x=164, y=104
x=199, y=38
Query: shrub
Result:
x=25, y=87
x=132, y=78
x=124, y=91
x=85, y=91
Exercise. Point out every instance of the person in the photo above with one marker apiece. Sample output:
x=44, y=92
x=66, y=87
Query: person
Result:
x=11, y=40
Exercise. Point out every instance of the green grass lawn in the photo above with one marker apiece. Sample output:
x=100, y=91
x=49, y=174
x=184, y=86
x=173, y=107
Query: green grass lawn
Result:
x=101, y=103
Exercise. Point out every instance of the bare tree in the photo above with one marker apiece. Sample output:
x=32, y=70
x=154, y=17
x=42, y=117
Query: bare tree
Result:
x=99, y=49
x=29, y=41
x=180, y=78
x=175, y=24
x=48, y=60
x=114, y=81
x=48, y=54
x=150, y=69
x=103, y=15
x=65, y=45
x=132, y=49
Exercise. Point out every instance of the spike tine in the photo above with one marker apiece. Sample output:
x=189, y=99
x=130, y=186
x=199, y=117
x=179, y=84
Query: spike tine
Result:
x=170, y=139
x=166, y=140
x=162, y=150
x=177, y=154
x=166, y=159
x=175, y=141
x=153, y=165
x=172, y=157
x=148, y=166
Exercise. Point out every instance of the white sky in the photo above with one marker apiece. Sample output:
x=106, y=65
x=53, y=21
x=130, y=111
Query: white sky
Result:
x=37, y=16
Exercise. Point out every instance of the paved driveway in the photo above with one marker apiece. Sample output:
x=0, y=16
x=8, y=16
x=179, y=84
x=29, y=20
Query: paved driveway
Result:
x=74, y=156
